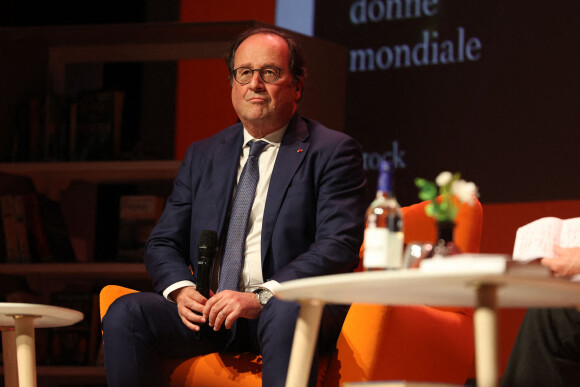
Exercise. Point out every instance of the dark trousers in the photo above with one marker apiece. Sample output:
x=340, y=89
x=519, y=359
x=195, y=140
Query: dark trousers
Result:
x=140, y=329
x=546, y=351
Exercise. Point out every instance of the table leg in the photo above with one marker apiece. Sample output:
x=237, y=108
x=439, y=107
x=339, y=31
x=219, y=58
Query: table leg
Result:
x=25, y=350
x=485, y=328
x=9, y=351
x=305, y=338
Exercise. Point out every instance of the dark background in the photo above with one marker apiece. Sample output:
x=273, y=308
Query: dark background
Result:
x=509, y=122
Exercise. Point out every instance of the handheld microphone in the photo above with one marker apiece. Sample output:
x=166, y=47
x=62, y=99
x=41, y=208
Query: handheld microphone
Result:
x=206, y=252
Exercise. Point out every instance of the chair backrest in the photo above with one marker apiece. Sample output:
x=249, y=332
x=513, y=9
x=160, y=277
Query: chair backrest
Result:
x=413, y=343
x=419, y=227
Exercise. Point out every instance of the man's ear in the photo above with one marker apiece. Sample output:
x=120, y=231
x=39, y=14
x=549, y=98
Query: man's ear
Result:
x=299, y=87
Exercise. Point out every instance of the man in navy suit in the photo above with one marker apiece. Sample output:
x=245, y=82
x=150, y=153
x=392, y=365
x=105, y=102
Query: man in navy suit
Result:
x=307, y=220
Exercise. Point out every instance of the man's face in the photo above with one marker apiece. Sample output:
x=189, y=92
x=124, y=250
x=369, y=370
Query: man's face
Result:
x=265, y=107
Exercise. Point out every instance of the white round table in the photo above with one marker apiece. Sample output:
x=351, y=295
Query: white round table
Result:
x=484, y=289
x=17, y=322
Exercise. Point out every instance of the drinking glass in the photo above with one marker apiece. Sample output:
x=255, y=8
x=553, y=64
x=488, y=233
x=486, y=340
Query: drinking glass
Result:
x=415, y=252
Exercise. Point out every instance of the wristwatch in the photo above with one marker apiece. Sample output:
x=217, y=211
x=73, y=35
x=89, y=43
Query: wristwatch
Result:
x=264, y=295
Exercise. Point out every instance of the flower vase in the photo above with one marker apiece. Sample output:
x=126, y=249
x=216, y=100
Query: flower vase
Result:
x=445, y=247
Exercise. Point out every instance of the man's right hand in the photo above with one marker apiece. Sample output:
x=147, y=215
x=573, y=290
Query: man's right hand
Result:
x=565, y=263
x=190, y=305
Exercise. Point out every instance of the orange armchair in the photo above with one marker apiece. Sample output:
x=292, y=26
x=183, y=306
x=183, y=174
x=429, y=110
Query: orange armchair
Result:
x=415, y=343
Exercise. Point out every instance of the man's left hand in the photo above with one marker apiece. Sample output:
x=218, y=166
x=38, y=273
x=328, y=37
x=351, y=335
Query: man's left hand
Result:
x=227, y=306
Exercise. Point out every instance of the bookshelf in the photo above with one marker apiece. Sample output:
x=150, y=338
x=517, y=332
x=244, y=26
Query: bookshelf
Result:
x=36, y=60
x=43, y=59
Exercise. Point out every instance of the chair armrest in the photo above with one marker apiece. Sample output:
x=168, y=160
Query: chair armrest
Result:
x=109, y=294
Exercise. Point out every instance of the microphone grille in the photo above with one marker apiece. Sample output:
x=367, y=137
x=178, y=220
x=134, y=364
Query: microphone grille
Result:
x=208, y=240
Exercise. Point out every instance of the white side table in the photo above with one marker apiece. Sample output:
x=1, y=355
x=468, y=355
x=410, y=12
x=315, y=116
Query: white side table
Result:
x=17, y=322
x=486, y=290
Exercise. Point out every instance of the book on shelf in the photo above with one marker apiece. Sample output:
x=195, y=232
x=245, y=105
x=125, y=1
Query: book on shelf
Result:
x=79, y=210
x=35, y=129
x=33, y=230
x=22, y=230
x=17, y=242
x=138, y=214
x=15, y=239
x=91, y=214
x=538, y=238
x=56, y=230
x=95, y=128
x=75, y=344
x=40, y=243
x=10, y=226
x=24, y=236
x=55, y=122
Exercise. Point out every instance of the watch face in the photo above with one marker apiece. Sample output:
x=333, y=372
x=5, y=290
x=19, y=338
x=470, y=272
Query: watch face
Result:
x=264, y=296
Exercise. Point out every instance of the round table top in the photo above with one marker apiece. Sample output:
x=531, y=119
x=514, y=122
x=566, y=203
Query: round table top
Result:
x=46, y=316
x=415, y=287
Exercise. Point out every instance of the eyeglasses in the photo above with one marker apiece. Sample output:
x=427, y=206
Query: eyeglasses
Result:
x=269, y=74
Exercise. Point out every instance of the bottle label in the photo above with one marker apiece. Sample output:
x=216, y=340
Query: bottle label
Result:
x=383, y=249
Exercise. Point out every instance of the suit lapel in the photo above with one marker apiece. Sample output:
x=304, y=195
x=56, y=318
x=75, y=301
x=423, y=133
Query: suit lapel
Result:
x=225, y=166
x=293, y=150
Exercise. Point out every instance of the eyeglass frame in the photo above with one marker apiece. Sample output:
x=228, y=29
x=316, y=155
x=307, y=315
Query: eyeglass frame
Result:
x=259, y=72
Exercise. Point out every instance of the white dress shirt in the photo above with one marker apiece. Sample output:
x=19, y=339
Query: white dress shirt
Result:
x=252, y=269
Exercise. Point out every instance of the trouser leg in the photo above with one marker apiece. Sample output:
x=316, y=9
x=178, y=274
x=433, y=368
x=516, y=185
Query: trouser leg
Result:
x=138, y=330
x=546, y=351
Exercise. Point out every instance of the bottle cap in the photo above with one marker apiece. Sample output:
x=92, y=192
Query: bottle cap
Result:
x=385, y=182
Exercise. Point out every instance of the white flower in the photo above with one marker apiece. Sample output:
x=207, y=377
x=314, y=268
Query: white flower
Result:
x=465, y=191
x=444, y=178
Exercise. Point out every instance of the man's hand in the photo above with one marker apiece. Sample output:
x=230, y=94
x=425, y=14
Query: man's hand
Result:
x=227, y=306
x=188, y=301
x=565, y=263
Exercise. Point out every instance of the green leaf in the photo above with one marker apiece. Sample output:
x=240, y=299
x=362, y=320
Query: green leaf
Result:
x=429, y=209
x=420, y=182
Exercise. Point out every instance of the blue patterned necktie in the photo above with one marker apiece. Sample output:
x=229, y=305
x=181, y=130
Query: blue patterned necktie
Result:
x=233, y=258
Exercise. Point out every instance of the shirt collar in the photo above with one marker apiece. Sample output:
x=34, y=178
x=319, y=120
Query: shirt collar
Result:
x=274, y=138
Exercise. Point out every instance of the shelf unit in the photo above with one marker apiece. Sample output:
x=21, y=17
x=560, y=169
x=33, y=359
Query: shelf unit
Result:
x=36, y=58
x=39, y=58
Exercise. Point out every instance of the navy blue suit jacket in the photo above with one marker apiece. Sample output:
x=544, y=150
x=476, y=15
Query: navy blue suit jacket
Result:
x=314, y=214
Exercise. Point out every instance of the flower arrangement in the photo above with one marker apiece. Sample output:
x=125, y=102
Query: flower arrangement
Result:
x=452, y=191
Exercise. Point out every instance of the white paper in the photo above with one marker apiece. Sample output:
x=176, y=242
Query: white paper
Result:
x=538, y=238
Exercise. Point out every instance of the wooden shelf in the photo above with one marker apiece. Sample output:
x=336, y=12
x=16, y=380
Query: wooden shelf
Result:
x=85, y=270
x=97, y=170
x=51, y=178
x=70, y=374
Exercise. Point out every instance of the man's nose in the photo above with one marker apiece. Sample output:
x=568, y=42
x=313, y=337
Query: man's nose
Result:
x=257, y=82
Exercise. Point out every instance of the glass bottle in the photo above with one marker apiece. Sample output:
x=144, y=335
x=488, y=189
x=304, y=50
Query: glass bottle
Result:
x=383, y=243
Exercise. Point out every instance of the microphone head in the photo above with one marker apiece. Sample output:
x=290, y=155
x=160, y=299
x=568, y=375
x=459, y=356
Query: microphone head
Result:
x=207, y=242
